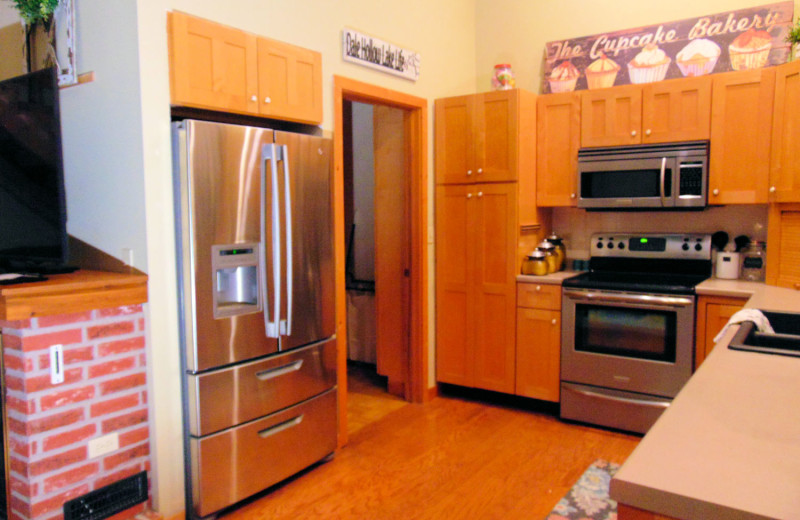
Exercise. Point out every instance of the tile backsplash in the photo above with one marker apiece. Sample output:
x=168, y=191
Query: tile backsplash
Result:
x=576, y=226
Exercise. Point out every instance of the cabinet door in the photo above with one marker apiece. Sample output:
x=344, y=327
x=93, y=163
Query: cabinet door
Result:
x=611, y=116
x=494, y=278
x=558, y=137
x=211, y=65
x=454, y=142
x=713, y=312
x=676, y=110
x=289, y=82
x=785, y=159
x=538, y=353
x=455, y=328
x=783, y=245
x=741, y=124
x=495, y=138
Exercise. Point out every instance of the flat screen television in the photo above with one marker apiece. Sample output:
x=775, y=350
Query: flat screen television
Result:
x=33, y=214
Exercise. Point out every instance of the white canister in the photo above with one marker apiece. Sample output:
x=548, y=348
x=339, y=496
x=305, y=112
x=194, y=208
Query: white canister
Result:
x=727, y=266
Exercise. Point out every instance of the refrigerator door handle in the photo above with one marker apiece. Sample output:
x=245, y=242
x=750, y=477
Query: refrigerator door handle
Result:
x=268, y=153
x=286, y=326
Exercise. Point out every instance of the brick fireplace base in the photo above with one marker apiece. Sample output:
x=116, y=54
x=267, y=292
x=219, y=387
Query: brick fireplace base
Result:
x=50, y=426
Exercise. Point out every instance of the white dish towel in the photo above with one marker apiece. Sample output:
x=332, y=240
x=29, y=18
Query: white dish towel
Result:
x=754, y=315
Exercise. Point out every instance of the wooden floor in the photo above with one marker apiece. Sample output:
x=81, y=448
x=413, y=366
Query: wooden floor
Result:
x=367, y=399
x=455, y=457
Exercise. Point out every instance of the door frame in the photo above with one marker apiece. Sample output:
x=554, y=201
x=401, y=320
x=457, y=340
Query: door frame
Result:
x=416, y=131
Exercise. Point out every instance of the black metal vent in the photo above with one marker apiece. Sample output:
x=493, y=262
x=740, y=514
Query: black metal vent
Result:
x=109, y=500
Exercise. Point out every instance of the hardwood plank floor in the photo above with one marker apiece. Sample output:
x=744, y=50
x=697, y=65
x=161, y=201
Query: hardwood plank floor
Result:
x=455, y=457
x=367, y=398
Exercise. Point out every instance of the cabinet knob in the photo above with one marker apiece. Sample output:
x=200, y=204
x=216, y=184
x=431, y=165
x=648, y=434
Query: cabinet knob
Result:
x=480, y=194
x=647, y=132
x=469, y=172
x=538, y=287
x=469, y=195
x=773, y=189
x=633, y=133
x=797, y=286
x=254, y=98
x=572, y=195
x=554, y=321
x=268, y=100
x=480, y=170
x=715, y=191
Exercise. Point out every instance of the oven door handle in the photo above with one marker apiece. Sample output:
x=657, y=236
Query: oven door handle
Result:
x=627, y=400
x=648, y=299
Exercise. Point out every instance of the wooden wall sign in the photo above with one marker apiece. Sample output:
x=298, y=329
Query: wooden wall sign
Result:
x=735, y=40
x=380, y=55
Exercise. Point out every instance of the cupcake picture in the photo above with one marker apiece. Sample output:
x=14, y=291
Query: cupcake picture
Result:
x=750, y=50
x=602, y=72
x=698, y=57
x=563, y=77
x=649, y=65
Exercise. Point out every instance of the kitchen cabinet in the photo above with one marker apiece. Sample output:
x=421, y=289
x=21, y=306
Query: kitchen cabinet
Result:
x=785, y=157
x=783, y=245
x=538, y=360
x=479, y=138
x=216, y=67
x=665, y=111
x=475, y=285
x=741, y=125
x=558, y=138
x=713, y=312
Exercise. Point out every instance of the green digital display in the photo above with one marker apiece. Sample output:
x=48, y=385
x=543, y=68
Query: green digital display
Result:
x=642, y=240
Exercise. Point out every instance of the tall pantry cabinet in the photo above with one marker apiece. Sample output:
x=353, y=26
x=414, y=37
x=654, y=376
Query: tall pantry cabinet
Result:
x=485, y=213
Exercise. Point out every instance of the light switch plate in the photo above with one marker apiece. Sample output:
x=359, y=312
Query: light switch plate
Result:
x=102, y=445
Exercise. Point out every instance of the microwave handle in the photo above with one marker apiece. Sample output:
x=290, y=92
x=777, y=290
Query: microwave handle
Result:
x=661, y=180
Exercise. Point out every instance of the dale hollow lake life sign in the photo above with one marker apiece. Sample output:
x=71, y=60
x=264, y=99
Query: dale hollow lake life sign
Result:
x=375, y=53
x=735, y=40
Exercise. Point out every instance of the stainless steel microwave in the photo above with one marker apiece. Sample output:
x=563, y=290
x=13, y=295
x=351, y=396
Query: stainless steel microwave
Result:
x=663, y=176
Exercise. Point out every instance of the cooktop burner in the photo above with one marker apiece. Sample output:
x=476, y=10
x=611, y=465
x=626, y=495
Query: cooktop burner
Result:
x=655, y=263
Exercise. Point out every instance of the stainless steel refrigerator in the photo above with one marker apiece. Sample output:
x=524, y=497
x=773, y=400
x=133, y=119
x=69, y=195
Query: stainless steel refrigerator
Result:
x=256, y=288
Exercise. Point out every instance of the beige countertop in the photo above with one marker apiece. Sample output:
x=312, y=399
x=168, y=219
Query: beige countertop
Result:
x=733, y=288
x=549, y=279
x=729, y=445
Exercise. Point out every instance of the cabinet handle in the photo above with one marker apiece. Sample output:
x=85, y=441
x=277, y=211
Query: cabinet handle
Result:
x=554, y=321
x=469, y=172
x=480, y=170
x=633, y=133
x=469, y=195
x=480, y=194
x=268, y=100
x=647, y=132
x=253, y=98
x=715, y=191
x=773, y=189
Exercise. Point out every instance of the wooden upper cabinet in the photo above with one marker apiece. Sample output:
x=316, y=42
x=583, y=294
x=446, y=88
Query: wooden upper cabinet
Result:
x=783, y=245
x=558, y=138
x=676, y=110
x=211, y=65
x=785, y=158
x=477, y=138
x=611, y=116
x=741, y=125
x=289, y=82
x=216, y=67
x=662, y=112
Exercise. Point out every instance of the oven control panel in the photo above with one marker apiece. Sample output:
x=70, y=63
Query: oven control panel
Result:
x=690, y=246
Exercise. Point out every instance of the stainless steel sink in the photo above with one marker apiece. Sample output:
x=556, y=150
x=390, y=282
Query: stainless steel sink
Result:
x=785, y=341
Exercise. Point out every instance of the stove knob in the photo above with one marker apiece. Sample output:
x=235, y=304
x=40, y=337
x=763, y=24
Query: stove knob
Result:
x=685, y=247
x=599, y=245
x=698, y=247
x=621, y=245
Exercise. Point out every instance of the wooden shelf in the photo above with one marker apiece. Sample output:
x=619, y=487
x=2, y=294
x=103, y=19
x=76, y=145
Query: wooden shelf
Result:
x=80, y=291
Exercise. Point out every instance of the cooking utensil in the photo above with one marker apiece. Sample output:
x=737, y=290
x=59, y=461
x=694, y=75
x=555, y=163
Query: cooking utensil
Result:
x=719, y=240
x=741, y=242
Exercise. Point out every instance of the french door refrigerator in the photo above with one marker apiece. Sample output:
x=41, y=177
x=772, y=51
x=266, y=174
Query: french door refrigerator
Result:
x=256, y=289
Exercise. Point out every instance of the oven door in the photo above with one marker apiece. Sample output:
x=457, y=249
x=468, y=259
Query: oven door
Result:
x=633, y=342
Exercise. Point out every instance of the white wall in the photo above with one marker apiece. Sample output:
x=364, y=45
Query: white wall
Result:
x=363, y=193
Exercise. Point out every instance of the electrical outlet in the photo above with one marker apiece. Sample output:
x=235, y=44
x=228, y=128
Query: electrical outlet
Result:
x=56, y=364
x=127, y=256
x=103, y=445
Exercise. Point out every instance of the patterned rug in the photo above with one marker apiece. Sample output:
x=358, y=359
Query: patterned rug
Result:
x=588, y=498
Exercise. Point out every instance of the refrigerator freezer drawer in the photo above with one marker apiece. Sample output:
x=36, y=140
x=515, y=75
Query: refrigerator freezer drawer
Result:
x=237, y=463
x=225, y=398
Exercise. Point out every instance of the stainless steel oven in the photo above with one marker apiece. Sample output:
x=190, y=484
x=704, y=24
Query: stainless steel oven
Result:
x=628, y=328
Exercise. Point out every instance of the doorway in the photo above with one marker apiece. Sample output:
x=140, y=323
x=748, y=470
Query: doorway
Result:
x=381, y=255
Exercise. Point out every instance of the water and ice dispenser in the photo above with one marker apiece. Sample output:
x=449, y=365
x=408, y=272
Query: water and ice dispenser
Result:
x=235, y=271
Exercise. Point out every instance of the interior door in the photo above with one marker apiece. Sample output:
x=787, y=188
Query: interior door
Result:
x=307, y=299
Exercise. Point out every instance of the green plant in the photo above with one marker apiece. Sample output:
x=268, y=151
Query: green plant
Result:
x=33, y=11
x=793, y=38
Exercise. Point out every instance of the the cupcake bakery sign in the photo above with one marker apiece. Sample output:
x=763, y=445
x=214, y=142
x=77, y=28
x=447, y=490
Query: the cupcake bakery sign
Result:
x=735, y=40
